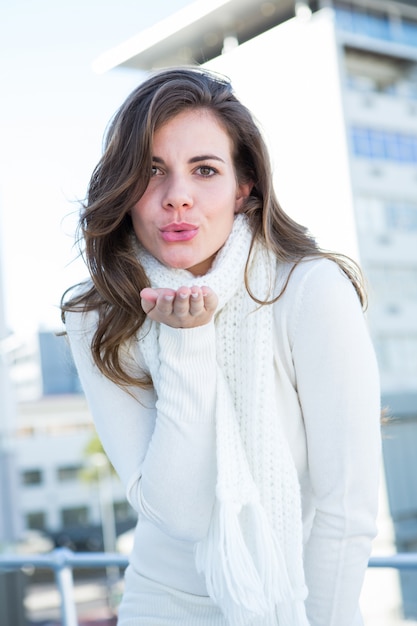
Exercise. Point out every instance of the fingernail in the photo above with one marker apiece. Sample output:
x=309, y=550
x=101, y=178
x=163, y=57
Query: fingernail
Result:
x=194, y=295
x=168, y=298
x=183, y=296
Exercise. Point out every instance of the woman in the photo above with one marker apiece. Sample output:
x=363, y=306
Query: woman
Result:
x=228, y=367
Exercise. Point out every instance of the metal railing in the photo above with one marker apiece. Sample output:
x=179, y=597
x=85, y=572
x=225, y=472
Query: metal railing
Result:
x=62, y=562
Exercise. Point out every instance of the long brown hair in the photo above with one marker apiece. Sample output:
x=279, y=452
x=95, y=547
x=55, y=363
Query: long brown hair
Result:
x=121, y=177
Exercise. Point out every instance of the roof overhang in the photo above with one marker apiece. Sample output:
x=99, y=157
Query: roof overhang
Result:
x=197, y=33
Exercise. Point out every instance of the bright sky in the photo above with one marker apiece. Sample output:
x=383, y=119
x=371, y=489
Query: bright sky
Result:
x=53, y=112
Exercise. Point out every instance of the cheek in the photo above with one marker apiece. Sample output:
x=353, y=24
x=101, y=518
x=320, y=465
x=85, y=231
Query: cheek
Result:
x=139, y=211
x=139, y=222
x=150, y=203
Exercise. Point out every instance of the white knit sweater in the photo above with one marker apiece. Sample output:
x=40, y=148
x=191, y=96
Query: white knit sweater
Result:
x=327, y=396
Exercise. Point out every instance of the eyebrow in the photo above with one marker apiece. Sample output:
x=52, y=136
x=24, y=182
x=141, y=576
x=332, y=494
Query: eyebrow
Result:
x=196, y=159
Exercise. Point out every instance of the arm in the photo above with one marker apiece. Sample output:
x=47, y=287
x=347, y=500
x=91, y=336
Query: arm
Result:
x=338, y=390
x=163, y=450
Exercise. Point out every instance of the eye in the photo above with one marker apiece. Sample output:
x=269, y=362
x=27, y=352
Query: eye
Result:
x=155, y=170
x=206, y=171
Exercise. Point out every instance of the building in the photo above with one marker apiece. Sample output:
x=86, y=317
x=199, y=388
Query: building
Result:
x=63, y=490
x=381, y=112
x=334, y=86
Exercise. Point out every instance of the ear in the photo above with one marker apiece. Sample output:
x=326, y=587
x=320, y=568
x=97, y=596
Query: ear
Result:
x=242, y=192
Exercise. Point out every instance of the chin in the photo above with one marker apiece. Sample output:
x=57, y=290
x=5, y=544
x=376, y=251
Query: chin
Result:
x=180, y=264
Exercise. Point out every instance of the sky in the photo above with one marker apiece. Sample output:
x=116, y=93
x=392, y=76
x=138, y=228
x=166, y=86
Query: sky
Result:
x=53, y=113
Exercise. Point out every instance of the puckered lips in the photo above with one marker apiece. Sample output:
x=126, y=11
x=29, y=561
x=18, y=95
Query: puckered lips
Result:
x=178, y=232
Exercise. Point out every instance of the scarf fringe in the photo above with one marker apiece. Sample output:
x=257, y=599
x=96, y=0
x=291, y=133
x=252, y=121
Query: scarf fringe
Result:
x=293, y=614
x=242, y=586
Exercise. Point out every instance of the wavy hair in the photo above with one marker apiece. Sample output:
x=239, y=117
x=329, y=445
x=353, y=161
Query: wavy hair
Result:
x=121, y=177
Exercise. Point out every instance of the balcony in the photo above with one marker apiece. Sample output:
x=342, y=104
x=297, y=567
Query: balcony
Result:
x=62, y=562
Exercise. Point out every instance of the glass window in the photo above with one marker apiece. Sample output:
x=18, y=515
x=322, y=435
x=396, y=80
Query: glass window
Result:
x=393, y=285
x=376, y=25
x=370, y=72
x=75, y=516
x=386, y=216
x=68, y=473
x=32, y=477
x=392, y=146
x=397, y=356
x=380, y=144
x=36, y=520
x=123, y=511
x=360, y=141
x=369, y=215
x=400, y=216
x=376, y=145
x=405, y=148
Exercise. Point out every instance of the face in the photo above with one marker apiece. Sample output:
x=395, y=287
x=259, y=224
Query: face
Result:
x=187, y=211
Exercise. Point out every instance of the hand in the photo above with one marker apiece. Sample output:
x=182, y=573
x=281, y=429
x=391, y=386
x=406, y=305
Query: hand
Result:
x=185, y=308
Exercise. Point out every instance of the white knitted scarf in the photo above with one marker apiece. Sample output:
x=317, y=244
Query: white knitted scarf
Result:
x=252, y=555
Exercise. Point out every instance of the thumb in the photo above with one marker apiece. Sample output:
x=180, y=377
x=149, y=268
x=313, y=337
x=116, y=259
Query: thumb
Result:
x=148, y=298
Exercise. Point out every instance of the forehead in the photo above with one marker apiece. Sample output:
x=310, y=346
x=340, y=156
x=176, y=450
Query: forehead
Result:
x=193, y=127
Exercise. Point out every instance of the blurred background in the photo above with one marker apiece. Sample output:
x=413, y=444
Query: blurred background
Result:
x=333, y=84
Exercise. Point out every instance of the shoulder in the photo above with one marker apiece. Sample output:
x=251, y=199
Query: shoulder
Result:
x=77, y=318
x=80, y=327
x=320, y=275
x=317, y=292
x=80, y=322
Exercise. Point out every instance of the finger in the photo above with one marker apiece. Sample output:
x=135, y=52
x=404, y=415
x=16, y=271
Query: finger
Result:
x=196, y=301
x=164, y=303
x=149, y=294
x=156, y=300
x=181, y=305
x=210, y=299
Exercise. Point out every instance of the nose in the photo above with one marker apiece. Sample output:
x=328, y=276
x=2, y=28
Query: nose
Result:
x=177, y=195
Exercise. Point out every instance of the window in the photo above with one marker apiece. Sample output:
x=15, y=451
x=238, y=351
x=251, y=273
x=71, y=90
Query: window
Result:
x=68, y=473
x=75, y=516
x=401, y=216
x=377, y=216
x=31, y=477
x=383, y=145
x=36, y=520
x=372, y=73
x=376, y=25
x=123, y=511
x=392, y=284
x=397, y=357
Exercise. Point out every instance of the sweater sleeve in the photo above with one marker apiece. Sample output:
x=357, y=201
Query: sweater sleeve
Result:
x=161, y=444
x=338, y=388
